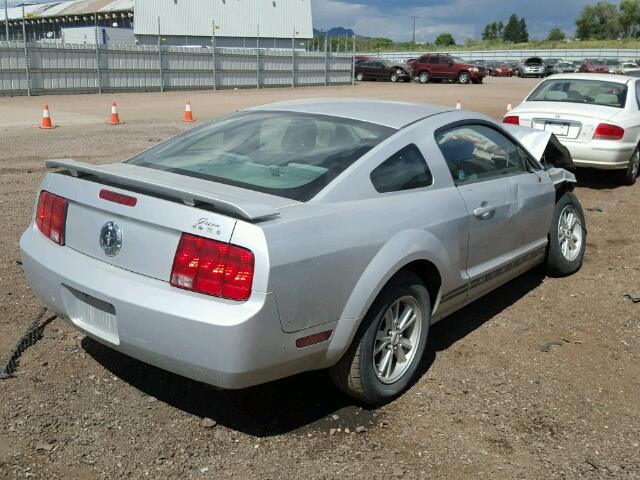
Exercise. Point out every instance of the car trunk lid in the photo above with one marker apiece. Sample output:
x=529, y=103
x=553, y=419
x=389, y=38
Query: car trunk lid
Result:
x=565, y=120
x=165, y=207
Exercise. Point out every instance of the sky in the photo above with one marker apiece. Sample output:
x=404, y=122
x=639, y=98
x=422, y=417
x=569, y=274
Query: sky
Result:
x=463, y=18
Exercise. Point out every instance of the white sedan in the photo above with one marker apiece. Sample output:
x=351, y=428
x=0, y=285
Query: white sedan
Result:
x=596, y=116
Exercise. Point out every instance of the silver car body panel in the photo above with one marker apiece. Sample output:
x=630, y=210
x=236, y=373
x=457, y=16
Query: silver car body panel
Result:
x=319, y=265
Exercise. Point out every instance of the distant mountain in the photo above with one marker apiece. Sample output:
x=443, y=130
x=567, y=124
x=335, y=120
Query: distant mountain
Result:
x=335, y=32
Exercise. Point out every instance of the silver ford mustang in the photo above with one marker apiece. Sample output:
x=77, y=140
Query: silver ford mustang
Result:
x=300, y=236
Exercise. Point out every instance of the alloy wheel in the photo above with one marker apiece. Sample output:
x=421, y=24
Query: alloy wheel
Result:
x=570, y=233
x=397, y=339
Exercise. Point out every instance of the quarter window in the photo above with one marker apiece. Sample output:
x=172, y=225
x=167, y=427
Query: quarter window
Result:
x=477, y=152
x=405, y=170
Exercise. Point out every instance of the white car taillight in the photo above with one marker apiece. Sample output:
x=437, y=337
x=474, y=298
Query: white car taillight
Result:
x=606, y=131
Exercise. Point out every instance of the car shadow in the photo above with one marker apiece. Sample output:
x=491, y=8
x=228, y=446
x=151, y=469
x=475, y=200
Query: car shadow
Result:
x=596, y=179
x=305, y=400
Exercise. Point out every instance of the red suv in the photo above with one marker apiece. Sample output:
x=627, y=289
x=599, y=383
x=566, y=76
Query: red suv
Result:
x=445, y=67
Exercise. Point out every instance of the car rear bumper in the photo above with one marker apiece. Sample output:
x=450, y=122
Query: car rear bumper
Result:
x=603, y=154
x=220, y=342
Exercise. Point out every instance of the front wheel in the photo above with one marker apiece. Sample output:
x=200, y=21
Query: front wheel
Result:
x=629, y=176
x=464, y=78
x=424, y=77
x=567, y=237
x=394, y=77
x=386, y=352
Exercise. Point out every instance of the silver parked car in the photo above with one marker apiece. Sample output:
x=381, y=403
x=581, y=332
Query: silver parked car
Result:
x=301, y=236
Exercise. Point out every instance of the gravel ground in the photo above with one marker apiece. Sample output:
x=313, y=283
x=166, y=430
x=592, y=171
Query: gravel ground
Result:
x=539, y=379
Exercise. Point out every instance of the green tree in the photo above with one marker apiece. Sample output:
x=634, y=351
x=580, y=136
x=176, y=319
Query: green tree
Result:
x=599, y=22
x=556, y=35
x=511, y=30
x=500, y=29
x=629, y=17
x=445, y=40
x=523, y=33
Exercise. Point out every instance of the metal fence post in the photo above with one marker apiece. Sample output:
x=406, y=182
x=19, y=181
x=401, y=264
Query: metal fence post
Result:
x=98, y=66
x=293, y=58
x=258, y=57
x=26, y=53
x=353, y=62
x=213, y=55
x=160, y=59
x=326, y=70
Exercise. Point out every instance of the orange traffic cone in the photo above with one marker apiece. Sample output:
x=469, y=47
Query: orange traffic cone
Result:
x=188, y=114
x=46, y=118
x=458, y=105
x=115, y=119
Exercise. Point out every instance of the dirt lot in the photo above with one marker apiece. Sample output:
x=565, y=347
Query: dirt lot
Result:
x=491, y=403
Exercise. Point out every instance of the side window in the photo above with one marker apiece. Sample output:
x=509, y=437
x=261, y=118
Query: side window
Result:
x=405, y=170
x=434, y=60
x=423, y=59
x=477, y=152
x=638, y=93
x=445, y=60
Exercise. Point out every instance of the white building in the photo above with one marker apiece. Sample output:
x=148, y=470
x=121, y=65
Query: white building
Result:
x=267, y=23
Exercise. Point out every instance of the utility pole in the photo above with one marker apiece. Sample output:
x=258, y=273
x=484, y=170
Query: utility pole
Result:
x=6, y=19
x=414, y=18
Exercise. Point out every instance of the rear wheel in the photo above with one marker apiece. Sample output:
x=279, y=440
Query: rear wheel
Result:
x=386, y=352
x=424, y=77
x=359, y=76
x=464, y=78
x=567, y=237
x=394, y=77
x=629, y=176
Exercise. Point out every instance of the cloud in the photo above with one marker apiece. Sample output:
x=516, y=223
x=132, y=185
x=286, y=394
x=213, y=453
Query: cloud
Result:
x=463, y=18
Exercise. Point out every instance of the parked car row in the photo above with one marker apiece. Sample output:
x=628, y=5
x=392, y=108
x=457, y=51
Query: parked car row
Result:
x=443, y=67
x=429, y=67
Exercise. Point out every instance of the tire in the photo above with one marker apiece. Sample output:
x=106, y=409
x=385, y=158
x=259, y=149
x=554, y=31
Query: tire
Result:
x=357, y=373
x=464, y=78
x=360, y=76
x=394, y=77
x=562, y=259
x=629, y=176
x=424, y=77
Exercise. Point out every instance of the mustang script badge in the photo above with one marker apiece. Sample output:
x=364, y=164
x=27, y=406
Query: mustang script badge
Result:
x=111, y=238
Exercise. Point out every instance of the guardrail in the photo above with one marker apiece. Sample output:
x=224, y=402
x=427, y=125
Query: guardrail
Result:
x=42, y=68
x=518, y=55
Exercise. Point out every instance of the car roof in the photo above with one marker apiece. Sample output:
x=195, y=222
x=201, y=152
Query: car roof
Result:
x=606, y=77
x=387, y=113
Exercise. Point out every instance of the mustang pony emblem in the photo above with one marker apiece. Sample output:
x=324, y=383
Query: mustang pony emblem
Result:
x=111, y=238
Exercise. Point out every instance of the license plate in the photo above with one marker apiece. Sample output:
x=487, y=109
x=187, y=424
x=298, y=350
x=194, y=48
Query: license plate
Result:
x=561, y=129
x=92, y=315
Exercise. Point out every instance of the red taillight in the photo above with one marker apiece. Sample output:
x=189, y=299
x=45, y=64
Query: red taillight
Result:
x=512, y=119
x=606, y=131
x=211, y=267
x=50, y=216
x=118, y=198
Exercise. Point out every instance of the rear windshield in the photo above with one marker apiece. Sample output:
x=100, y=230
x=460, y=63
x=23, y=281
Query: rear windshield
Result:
x=533, y=61
x=292, y=155
x=594, y=92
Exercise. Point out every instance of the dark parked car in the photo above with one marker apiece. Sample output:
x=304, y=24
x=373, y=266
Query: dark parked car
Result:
x=549, y=65
x=445, y=67
x=592, y=65
x=378, y=69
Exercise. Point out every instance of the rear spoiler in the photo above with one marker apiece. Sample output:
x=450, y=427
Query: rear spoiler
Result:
x=189, y=190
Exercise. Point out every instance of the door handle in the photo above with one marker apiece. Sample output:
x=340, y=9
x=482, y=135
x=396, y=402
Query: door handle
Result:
x=484, y=211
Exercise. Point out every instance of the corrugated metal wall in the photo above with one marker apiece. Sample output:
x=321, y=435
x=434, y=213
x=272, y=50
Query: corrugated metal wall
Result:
x=68, y=68
x=234, y=18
